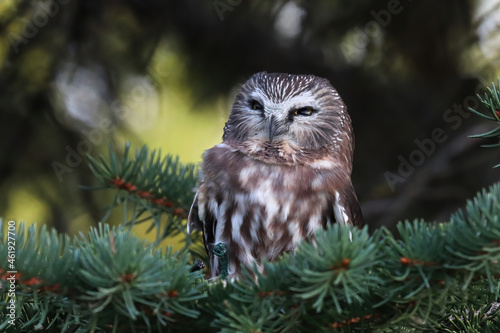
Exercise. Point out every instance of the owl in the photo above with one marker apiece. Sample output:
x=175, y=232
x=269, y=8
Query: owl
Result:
x=282, y=171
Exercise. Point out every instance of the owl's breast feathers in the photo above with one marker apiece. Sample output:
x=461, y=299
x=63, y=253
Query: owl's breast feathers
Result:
x=261, y=209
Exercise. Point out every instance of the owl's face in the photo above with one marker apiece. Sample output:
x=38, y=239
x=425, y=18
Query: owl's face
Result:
x=289, y=112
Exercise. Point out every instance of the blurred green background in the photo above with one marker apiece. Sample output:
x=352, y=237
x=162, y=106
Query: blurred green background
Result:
x=76, y=75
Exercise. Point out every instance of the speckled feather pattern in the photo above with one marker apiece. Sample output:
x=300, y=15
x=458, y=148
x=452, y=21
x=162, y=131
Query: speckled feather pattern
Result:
x=261, y=195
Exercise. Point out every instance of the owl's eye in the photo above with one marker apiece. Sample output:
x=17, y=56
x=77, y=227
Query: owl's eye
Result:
x=256, y=105
x=307, y=111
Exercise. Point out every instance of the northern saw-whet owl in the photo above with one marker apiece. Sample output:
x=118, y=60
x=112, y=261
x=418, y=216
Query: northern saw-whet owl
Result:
x=282, y=171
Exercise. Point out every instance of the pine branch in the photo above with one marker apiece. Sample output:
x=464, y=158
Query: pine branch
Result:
x=112, y=279
x=440, y=277
x=491, y=101
x=151, y=186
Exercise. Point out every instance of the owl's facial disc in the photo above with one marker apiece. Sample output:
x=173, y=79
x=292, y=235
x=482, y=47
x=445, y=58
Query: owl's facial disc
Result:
x=278, y=119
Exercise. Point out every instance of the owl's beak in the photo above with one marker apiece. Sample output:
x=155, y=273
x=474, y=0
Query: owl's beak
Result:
x=272, y=128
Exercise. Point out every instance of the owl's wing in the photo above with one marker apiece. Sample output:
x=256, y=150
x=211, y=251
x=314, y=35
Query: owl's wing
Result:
x=205, y=222
x=346, y=207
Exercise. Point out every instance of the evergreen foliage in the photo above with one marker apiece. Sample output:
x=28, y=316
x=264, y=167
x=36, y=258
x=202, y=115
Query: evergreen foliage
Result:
x=491, y=101
x=149, y=187
x=110, y=281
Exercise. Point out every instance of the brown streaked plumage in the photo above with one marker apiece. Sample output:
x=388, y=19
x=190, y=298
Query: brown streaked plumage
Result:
x=282, y=171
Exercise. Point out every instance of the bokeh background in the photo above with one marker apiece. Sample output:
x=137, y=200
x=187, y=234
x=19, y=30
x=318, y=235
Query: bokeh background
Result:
x=76, y=75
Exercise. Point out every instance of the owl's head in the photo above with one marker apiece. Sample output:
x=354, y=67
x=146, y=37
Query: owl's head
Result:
x=291, y=113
